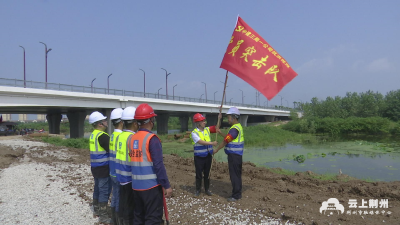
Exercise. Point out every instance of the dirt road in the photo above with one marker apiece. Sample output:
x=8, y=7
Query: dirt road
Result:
x=266, y=195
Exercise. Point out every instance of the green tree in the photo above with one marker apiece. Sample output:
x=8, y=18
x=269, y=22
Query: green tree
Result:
x=392, y=108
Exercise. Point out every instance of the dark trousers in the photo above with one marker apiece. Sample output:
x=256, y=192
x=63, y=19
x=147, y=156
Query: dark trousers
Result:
x=126, y=202
x=202, y=164
x=148, y=206
x=235, y=172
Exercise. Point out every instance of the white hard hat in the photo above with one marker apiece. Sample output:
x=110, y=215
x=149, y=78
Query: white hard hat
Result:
x=95, y=117
x=116, y=114
x=128, y=113
x=233, y=110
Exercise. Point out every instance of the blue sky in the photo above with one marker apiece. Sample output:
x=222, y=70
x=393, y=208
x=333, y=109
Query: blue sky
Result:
x=334, y=46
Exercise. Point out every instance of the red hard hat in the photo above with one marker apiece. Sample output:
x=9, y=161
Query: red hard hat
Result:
x=143, y=112
x=198, y=117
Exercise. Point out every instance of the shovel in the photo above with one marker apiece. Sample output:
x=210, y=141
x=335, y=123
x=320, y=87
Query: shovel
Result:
x=165, y=209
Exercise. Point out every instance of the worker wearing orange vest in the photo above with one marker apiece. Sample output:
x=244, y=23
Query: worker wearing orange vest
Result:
x=149, y=176
x=203, y=151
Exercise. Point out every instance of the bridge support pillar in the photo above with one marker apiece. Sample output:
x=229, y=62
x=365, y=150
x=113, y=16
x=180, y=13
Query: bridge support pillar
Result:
x=107, y=113
x=54, y=120
x=76, y=124
x=269, y=118
x=243, y=120
x=191, y=120
x=162, y=123
x=184, y=120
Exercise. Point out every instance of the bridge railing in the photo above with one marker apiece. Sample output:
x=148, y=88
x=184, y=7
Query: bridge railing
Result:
x=118, y=92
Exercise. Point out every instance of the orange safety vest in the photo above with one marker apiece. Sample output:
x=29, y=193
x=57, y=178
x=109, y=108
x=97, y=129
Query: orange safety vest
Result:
x=143, y=175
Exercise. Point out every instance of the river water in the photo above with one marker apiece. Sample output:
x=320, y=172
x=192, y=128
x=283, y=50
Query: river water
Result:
x=328, y=159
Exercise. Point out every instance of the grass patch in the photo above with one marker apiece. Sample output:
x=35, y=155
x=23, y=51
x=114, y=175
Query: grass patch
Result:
x=265, y=136
x=70, y=142
x=282, y=171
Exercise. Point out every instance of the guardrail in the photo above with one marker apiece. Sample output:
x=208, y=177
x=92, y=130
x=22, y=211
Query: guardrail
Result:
x=118, y=92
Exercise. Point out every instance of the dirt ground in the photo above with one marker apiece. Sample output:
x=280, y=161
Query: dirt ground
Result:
x=295, y=198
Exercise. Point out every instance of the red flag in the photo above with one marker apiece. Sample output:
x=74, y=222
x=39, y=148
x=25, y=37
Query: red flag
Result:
x=251, y=58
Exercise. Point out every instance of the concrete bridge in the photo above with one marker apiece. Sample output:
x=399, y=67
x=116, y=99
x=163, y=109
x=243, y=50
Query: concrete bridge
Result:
x=17, y=97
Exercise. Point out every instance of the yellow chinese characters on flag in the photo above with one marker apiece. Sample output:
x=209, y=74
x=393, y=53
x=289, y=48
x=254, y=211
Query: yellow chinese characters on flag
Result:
x=251, y=58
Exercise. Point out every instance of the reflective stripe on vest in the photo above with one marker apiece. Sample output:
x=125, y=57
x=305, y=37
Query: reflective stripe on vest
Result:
x=98, y=155
x=122, y=162
x=112, y=153
x=199, y=149
x=237, y=145
x=143, y=175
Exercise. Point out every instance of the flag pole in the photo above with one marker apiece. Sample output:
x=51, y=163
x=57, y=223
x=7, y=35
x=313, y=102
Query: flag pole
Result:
x=219, y=120
x=222, y=103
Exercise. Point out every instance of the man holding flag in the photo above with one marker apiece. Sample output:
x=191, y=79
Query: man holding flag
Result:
x=251, y=58
x=234, y=146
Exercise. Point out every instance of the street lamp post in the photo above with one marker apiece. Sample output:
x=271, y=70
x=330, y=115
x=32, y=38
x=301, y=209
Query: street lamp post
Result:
x=258, y=98
x=205, y=89
x=92, y=84
x=108, y=84
x=144, y=83
x=24, y=68
x=214, y=96
x=166, y=81
x=242, y=96
x=281, y=99
x=266, y=102
x=287, y=103
x=45, y=53
x=230, y=101
x=158, y=94
x=173, y=91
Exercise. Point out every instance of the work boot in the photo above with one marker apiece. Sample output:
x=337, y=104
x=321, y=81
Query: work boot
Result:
x=103, y=215
x=207, y=186
x=95, y=207
x=114, y=216
x=198, y=187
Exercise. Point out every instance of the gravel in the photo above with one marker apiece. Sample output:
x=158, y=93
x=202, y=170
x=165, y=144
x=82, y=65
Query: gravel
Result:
x=37, y=193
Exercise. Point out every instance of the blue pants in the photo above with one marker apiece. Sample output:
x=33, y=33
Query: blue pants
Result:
x=102, y=189
x=115, y=193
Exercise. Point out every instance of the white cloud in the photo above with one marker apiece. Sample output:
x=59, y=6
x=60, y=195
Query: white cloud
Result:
x=316, y=65
x=379, y=65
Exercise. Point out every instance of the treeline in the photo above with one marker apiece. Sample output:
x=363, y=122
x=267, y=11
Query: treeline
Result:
x=340, y=126
x=367, y=113
x=365, y=104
